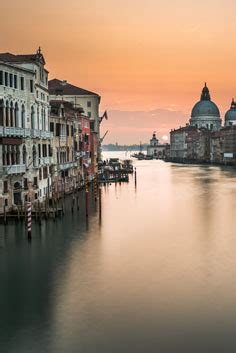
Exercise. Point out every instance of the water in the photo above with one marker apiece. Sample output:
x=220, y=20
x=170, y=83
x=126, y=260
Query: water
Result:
x=157, y=275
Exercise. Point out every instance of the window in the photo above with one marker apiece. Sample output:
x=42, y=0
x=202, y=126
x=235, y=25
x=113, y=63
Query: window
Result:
x=89, y=104
x=89, y=114
x=35, y=181
x=1, y=77
x=6, y=78
x=31, y=86
x=67, y=130
x=15, y=81
x=72, y=131
x=57, y=129
x=22, y=83
x=11, y=80
x=51, y=126
x=25, y=183
x=5, y=186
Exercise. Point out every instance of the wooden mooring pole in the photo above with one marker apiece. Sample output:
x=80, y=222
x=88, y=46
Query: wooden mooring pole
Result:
x=86, y=195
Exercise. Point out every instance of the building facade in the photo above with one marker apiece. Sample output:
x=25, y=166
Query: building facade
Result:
x=25, y=139
x=79, y=97
x=155, y=149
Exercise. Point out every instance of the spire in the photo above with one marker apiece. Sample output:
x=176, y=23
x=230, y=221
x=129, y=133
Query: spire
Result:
x=39, y=51
x=205, y=94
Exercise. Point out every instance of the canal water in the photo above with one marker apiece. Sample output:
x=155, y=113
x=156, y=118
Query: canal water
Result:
x=157, y=274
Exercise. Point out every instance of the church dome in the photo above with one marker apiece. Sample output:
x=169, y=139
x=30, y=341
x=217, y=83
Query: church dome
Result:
x=231, y=113
x=205, y=107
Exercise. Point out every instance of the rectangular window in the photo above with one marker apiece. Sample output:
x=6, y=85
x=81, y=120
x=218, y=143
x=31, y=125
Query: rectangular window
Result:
x=15, y=81
x=25, y=183
x=67, y=130
x=31, y=86
x=57, y=129
x=11, y=80
x=89, y=104
x=52, y=127
x=22, y=83
x=6, y=78
x=40, y=175
x=72, y=131
x=5, y=187
x=1, y=77
x=89, y=114
x=35, y=181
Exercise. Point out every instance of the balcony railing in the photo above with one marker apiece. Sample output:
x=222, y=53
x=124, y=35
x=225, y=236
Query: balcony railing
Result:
x=67, y=165
x=6, y=131
x=46, y=160
x=14, y=169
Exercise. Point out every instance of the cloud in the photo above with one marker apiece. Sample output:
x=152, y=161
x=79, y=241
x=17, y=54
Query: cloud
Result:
x=135, y=126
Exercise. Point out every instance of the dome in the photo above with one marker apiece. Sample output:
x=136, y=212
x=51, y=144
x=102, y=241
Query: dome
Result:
x=205, y=107
x=231, y=113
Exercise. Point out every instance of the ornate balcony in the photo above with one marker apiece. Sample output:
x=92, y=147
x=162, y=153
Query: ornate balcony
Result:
x=6, y=131
x=14, y=169
x=67, y=165
x=46, y=160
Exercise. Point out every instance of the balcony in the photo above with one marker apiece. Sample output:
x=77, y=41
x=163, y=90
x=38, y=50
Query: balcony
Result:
x=14, y=169
x=6, y=131
x=45, y=160
x=67, y=165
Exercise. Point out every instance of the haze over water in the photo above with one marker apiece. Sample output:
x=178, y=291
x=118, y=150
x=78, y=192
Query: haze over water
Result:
x=158, y=274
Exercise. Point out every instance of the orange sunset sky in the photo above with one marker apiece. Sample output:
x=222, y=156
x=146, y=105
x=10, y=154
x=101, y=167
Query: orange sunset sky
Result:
x=148, y=59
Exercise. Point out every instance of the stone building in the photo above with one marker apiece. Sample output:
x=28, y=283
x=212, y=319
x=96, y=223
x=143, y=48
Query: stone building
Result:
x=190, y=144
x=155, y=149
x=25, y=150
x=79, y=97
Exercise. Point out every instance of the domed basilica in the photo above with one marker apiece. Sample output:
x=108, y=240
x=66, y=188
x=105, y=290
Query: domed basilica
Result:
x=205, y=113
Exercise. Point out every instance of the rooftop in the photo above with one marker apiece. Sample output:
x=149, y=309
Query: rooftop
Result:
x=57, y=87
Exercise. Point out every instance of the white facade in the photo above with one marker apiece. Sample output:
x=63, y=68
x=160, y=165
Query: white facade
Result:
x=24, y=129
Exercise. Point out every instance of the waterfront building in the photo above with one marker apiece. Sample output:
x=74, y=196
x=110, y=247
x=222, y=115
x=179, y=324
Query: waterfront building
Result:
x=25, y=139
x=190, y=144
x=230, y=116
x=155, y=149
x=79, y=97
x=205, y=113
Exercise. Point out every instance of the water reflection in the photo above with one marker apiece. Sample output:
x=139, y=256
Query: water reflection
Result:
x=157, y=275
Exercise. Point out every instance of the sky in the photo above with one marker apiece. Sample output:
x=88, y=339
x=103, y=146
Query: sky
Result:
x=148, y=59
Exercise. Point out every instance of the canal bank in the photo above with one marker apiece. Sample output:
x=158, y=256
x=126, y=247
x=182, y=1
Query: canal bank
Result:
x=157, y=274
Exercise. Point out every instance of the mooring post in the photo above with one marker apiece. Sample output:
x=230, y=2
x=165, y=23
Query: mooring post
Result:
x=29, y=219
x=95, y=187
x=86, y=195
x=100, y=203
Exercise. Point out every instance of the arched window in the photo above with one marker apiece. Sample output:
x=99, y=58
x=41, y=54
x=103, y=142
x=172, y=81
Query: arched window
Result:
x=23, y=116
x=38, y=124
x=34, y=154
x=12, y=117
x=7, y=113
x=17, y=123
x=32, y=118
x=17, y=154
x=24, y=155
x=1, y=113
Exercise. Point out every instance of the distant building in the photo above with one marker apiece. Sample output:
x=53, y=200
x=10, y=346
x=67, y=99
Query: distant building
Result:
x=155, y=149
x=205, y=113
x=230, y=116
